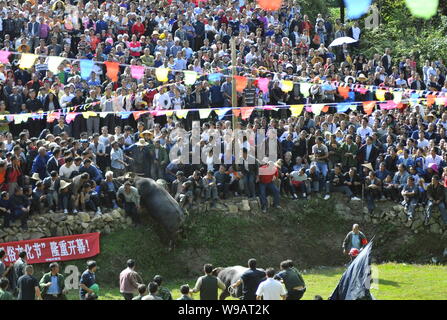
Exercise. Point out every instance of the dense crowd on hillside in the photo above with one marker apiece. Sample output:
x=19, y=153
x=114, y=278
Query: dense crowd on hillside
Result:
x=397, y=154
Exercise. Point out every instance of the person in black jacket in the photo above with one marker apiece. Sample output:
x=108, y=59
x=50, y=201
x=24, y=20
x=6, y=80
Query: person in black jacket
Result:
x=353, y=181
x=368, y=153
x=53, y=163
x=20, y=206
x=33, y=105
x=336, y=183
x=14, y=101
x=249, y=169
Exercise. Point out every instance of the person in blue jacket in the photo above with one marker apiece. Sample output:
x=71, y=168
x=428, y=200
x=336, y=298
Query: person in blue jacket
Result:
x=40, y=163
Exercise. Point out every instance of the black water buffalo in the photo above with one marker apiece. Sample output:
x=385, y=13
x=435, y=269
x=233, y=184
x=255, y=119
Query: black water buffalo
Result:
x=160, y=205
x=230, y=275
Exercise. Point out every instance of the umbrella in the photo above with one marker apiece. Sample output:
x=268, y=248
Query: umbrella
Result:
x=355, y=282
x=342, y=40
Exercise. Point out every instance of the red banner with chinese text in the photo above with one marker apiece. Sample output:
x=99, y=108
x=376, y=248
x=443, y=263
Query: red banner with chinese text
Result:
x=64, y=248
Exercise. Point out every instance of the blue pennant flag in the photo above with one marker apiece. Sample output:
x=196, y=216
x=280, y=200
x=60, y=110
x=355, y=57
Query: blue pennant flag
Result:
x=357, y=8
x=86, y=68
x=343, y=107
x=214, y=77
x=223, y=112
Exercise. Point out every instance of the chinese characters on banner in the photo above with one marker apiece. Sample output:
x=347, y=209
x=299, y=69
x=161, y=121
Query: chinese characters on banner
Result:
x=65, y=248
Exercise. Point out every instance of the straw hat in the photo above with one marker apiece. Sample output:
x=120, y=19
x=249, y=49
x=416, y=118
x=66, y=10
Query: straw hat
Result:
x=362, y=78
x=149, y=132
x=368, y=165
x=64, y=184
x=142, y=142
x=35, y=176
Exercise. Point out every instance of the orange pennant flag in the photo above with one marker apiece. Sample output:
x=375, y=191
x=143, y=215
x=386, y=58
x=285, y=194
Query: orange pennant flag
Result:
x=270, y=5
x=368, y=107
x=325, y=109
x=344, y=92
x=237, y=112
x=112, y=70
x=246, y=112
x=241, y=83
x=431, y=98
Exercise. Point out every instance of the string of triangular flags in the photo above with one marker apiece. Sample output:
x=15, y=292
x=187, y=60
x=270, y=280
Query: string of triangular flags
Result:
x=27, y=60
x=244, y=112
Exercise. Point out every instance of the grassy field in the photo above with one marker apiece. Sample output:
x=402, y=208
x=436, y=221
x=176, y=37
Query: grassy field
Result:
x=308, y=233
x=396, y=282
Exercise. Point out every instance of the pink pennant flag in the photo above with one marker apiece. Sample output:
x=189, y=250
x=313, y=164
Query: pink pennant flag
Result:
x=70, y=116
x=309, y=109
x=53, y=116
x=137, y=72
x=362, y=90
x=388, y=105
x=263, y=84
x=4, y=56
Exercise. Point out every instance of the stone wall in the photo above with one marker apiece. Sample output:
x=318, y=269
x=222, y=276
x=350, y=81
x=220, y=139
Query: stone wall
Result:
x=52, y=225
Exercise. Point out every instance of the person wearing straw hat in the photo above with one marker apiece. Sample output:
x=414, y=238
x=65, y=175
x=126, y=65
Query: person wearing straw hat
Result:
x=140, y=154
x=66, y=197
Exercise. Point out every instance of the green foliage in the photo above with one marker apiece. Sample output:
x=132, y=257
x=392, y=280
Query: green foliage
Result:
x=405, y=34
x=313, y=7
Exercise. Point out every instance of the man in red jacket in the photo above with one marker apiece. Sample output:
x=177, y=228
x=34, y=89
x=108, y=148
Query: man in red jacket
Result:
x=268, y=173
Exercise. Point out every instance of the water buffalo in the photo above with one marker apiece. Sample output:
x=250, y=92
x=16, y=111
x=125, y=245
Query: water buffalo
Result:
x=230, y=275
x=160, y=205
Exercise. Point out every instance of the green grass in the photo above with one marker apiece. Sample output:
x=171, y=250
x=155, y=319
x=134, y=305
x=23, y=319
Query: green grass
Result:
x=396, y=282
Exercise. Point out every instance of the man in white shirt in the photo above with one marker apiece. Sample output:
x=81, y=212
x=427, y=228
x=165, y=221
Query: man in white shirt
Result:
x=433, y=158
x=67, y=169
x=356, y=31
x=364, y=130
x=271, y=289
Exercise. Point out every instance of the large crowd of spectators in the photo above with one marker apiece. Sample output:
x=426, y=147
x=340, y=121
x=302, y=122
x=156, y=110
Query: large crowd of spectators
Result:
x=397, y=154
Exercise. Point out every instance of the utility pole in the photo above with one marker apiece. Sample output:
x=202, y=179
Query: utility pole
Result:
x=233, y=80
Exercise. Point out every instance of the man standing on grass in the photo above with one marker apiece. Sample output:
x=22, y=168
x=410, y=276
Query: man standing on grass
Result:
x=130, y=280
x=28, y=285
x=355, y=239
x=53, y=284
x=270, y=289
x=251, y=280
x=208, y=284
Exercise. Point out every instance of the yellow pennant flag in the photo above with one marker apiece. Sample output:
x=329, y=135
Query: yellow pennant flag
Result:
x=27, y=60
x=169, y=113
x=190, y=77
x=296, y=109
x=380, y=95
x=286, y=85
x=88, y=114
x=162, y=74
x=181, y=113
x=204, y=113
x=54, y=63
